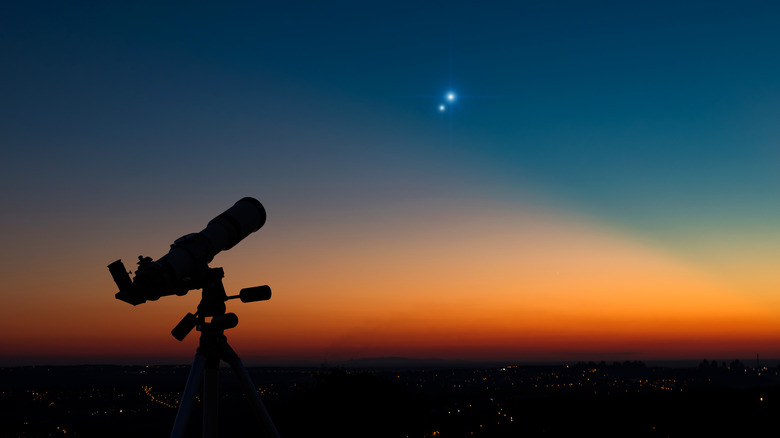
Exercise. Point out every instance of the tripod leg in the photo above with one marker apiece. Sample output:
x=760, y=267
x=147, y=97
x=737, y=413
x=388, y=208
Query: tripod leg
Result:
x=211, y=397
x=267, y=426
x=188, y=397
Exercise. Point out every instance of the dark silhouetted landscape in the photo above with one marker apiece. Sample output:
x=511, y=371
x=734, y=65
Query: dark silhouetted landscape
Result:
x=606, y=399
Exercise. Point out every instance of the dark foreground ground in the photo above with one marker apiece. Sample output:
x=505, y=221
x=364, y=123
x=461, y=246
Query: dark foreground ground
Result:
x=618, y=399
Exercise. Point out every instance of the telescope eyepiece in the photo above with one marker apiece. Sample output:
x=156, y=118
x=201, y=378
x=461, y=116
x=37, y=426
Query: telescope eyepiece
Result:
x=120, y=275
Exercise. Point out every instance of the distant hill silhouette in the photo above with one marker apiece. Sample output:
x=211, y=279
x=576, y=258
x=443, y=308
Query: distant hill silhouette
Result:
x=405, y=362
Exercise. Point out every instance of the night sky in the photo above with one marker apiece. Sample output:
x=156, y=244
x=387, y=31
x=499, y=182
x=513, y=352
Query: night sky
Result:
x=603, y=186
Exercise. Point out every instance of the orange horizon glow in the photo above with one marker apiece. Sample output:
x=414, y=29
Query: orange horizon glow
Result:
x=499, y=285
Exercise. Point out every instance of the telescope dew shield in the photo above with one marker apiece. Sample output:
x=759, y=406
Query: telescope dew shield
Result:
x=232, y=226
x=177, y=271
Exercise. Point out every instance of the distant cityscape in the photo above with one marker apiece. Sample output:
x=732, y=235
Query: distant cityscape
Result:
x=627, y=398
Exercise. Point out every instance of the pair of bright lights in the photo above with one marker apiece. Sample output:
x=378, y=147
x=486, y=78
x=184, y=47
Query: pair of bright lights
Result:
x=450, y=97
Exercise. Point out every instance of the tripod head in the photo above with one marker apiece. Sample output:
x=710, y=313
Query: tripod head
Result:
x=211, y=315
x=211, y=321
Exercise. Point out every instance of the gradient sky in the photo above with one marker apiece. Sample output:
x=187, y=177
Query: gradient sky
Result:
x=605, y=186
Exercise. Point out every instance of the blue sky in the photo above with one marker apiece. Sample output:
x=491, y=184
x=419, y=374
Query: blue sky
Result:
x=606, y=105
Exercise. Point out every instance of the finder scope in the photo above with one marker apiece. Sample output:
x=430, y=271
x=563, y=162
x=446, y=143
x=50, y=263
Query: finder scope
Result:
x=184, y=267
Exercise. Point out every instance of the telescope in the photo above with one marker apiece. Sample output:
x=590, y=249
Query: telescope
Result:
x=185, y=266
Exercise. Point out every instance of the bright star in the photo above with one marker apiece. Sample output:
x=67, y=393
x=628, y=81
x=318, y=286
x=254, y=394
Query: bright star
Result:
x=451, y=96
x=442, y=107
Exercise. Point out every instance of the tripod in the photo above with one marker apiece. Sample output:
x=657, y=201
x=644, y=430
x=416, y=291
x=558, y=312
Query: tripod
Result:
x=211, y=320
